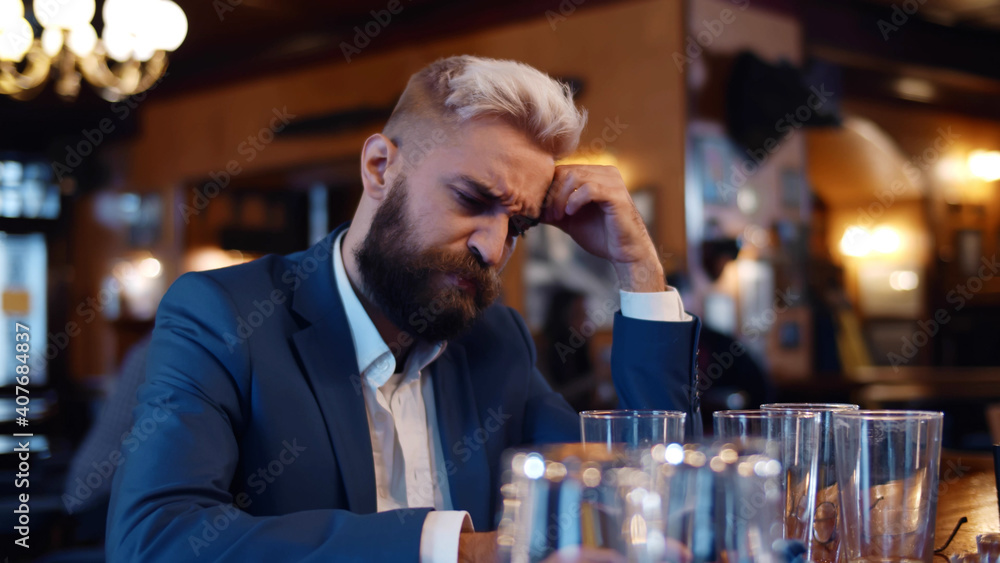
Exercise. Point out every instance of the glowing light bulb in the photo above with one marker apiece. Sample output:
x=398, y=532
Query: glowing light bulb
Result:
x=15, y=39
x=904, y=280
x=82, y=40
x=856, y=242
x=150, y=267
x=886, y=240
x=985, y=165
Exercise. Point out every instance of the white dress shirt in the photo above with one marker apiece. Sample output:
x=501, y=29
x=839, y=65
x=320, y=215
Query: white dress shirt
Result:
x=402, y=416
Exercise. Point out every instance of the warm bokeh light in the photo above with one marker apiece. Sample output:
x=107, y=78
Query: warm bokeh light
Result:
x=885, y=240
x=602, y=158
x=82, y=40
x=66, y=14
x=748, y=201
x=857, y=242
x=11, y=10
x=150, y=267
x=915, y=89
x=904, y=280
x=15, y=39
x=985, y=165
x=211, y=258
x=591, y=158
x=133, y=31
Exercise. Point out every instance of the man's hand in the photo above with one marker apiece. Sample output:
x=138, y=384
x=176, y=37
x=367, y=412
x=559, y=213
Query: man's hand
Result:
x=476, y=547
x=592, y=205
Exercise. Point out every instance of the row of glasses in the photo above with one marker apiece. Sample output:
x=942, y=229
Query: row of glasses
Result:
x=669, y=503
x=874, y=486
x=807, y=481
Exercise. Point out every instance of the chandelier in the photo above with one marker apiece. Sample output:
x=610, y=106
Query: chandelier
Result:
x=128, y=58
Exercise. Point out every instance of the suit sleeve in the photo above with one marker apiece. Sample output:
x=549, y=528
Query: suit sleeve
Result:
x=171, y=498
x=654, y=367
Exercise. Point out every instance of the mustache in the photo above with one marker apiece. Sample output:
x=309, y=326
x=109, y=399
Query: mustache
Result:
x=463, y=265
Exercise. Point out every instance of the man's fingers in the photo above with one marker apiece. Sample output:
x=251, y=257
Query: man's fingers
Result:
x=580, y=196
x=565, y=181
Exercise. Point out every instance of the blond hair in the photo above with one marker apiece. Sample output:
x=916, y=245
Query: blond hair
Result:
x=457, y=89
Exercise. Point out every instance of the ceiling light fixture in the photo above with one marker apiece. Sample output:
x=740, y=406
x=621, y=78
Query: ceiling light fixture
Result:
x=128, y=58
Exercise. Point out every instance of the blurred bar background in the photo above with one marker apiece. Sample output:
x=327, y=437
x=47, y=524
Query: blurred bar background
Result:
x=820, y=177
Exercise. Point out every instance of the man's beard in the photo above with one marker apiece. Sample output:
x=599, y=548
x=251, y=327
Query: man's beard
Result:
x=411, y=286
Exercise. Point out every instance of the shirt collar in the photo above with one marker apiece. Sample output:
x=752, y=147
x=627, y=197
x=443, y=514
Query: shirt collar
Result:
x=375, y=359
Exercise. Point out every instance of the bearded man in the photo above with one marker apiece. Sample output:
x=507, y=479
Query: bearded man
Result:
x=351, y=402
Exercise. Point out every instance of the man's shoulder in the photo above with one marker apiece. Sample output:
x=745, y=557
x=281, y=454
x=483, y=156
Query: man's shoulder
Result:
x=275, y=271
x=236, y=280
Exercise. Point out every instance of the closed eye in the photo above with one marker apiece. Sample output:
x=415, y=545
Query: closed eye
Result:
x=470, y=202
x=517, y=225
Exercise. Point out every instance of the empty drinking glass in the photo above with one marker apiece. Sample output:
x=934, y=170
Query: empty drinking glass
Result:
x=791, y=438
x=825, y=536
x=887, y=468
x=632, y=429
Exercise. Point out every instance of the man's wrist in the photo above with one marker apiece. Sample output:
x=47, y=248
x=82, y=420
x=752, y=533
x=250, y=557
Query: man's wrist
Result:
x=641, y=277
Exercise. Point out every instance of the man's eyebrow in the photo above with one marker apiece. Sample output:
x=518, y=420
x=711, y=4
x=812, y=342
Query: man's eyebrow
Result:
x=482, y=189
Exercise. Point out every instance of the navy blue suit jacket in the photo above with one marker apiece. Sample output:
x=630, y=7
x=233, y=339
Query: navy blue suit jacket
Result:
x=251, y=440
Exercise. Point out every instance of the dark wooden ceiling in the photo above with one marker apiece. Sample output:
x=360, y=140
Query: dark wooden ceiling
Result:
x=231, y=40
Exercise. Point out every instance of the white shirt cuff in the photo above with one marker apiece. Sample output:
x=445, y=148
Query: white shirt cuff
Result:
x=659, y=306
x=439, y=536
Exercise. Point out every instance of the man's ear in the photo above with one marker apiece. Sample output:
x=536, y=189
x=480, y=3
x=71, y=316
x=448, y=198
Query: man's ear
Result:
x=377, y=155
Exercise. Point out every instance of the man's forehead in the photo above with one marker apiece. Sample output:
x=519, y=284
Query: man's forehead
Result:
x=490, y=153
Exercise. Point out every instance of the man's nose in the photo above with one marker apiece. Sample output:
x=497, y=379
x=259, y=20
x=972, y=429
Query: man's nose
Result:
x=489, y=241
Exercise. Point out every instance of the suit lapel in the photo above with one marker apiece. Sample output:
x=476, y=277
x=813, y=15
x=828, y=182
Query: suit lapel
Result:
x=326, y=350
x=458, y=419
